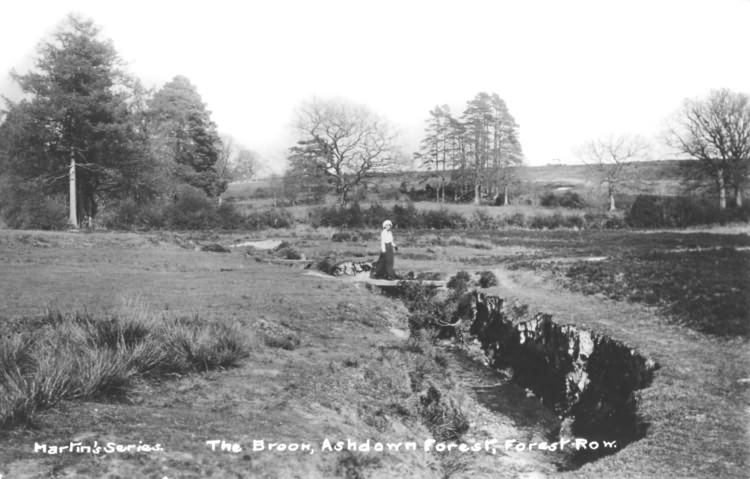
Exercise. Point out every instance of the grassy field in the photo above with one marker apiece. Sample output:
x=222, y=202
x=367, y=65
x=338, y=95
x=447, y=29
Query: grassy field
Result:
x=655, y=177
x=327, y=358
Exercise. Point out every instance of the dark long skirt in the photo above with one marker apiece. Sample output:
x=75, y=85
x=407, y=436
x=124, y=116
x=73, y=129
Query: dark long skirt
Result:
x=384, y=266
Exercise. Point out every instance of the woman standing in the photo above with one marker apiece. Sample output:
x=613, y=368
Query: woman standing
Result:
x=387, y=246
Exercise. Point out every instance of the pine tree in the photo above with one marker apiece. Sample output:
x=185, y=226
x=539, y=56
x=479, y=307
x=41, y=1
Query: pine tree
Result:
x=76, y=124
x=185, y=139
x=434, y=147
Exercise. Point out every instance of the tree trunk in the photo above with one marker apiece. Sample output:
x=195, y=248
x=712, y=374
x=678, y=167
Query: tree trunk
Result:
x=722, y=190
x=476, y=194
x=611, y=201
x=73, y=216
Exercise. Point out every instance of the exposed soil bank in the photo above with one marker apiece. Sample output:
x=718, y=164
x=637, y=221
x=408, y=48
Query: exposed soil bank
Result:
x=589, y=380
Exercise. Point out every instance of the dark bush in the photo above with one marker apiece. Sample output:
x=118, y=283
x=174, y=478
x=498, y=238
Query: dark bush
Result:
x=405, y=216
x=270, y=218
x=376, y=214
x=121, y=215
x=229, y=218
x=548, y=222
x=354, y=218
x=574, y=221
x=289, y=253
x=539, y=222
x=327, y=264
x=343, y=236
x=336, y=216
x=650, y=211
x=568, y=199
x=443, y=416
x=460, y=282
x=191, y=210
x=517, y=219
x=416, y=295
x=26, y=209
x=487, y=279
x=48, y=213
x=480, y=219
x=373, y=217
x=603, y=221
x=442, y=219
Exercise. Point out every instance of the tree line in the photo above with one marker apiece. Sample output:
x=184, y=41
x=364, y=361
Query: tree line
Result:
x=343, y=146
x=86, y=129
x=89, y=135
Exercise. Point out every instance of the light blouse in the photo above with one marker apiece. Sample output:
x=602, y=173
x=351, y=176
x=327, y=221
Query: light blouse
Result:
x=385, y=238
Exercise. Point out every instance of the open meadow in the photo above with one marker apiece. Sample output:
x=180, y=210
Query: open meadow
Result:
x=257, y=344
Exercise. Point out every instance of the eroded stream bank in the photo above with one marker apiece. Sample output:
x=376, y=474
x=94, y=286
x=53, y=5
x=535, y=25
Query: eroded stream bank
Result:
x=588, y=382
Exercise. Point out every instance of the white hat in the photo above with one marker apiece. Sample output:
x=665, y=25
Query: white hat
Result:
x=387, y=223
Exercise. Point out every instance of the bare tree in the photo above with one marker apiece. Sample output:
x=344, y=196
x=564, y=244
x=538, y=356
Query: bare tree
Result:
x=235, y=161
x=609, y=155
x=716, y=132
x=347, y=142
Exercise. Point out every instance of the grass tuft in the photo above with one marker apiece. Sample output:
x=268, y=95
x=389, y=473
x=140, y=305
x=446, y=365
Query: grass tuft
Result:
x=81, y=357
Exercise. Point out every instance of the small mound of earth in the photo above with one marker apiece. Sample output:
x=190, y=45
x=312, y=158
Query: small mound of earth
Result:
x=215, y=248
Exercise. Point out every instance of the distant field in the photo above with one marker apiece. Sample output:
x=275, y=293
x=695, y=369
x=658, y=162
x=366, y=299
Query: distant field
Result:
x=652, y=177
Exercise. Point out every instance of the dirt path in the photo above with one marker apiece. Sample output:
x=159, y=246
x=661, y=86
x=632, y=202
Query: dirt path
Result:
x=501, y=411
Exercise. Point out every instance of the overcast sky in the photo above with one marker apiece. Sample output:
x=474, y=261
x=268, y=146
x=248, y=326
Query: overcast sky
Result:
x=570, y=71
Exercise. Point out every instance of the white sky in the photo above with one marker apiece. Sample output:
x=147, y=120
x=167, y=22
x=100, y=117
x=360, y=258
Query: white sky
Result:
x=570, y=71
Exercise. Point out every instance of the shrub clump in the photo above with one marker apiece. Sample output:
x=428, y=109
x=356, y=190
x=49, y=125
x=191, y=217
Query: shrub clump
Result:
x=442, y=415
x=405, y=216
x=486, y=279
x=34, y=211
x=651, y=211
x=568, y=199
x=190, y=209
x=459, y=282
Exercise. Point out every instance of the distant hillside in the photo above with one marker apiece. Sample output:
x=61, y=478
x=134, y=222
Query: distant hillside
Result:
x=666, y=177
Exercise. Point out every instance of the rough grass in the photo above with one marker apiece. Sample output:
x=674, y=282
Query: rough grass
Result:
x=700, y=281
x=78, y=356
x=706, y=291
